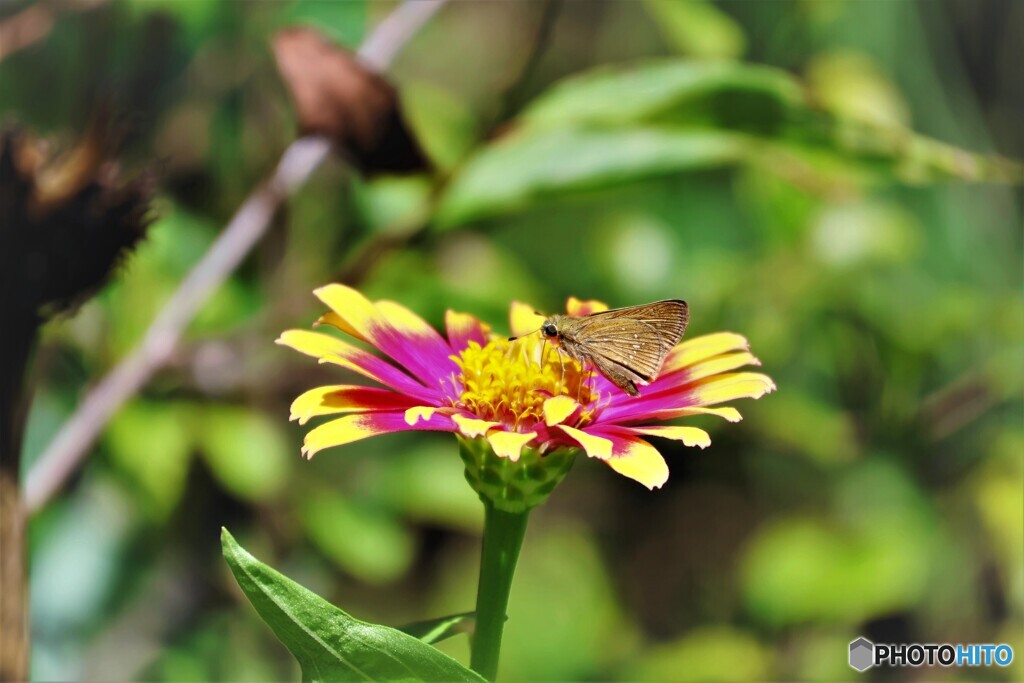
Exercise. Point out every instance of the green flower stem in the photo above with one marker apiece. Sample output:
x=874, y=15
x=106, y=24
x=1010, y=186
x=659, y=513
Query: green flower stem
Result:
x=503, y=537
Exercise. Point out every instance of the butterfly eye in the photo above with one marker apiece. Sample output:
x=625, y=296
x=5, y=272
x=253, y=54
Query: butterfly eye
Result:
x=549, y=330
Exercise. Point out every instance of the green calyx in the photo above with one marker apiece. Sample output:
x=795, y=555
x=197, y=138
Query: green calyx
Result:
x=514, y=486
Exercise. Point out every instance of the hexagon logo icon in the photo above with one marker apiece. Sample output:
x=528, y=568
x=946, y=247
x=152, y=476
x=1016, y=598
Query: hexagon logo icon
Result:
x=862, y=654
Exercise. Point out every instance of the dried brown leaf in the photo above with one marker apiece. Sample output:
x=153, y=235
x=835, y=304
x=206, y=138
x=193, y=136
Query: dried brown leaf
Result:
x=338, y=97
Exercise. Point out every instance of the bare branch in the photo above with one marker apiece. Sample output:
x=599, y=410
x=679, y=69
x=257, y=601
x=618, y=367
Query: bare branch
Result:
x=73, y=442
x=34, y=23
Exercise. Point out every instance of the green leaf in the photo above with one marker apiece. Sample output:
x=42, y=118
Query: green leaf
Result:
x=435, y=630
x=536, y=165
x=328, y=643
x=670, y=91
x=619, y=124
x=764, y=101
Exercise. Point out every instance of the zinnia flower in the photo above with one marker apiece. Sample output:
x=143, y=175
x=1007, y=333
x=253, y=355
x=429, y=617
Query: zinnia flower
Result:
x=515, y=394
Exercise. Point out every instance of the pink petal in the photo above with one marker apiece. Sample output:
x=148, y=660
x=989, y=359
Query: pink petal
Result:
x=333, y=350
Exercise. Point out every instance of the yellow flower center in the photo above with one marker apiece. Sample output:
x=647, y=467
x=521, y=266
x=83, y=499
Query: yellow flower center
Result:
x=508, y=382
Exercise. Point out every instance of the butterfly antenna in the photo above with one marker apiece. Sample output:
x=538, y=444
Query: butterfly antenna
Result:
x=523, y=335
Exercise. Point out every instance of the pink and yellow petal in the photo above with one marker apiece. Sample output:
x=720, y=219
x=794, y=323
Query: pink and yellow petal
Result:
x=727, y=413
x=345, y=398
x=704, y=392
x=424, y=343
x=577, y=308
x=349, y=428
x=393, y=329
x=638, y=460
x=596, y=446
x=333, y=350
x=712, y=366
x=731, y=386
x=463, y=328
x=692, y=351
x=523, y=319
x=690, y=436
x=509, y=444
x=558, y=408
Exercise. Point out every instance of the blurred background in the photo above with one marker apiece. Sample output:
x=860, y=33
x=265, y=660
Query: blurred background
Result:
x=879, y=492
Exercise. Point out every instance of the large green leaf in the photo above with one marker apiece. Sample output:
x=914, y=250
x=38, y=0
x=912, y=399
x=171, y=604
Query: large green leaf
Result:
x=536, y=165
x=328, y=643
x=619, y=124
x=761, y=100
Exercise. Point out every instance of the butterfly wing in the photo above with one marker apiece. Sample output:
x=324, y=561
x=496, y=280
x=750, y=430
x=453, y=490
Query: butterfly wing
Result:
x=620, y=376
x=636, y=337
x=669, y=318
x=632, y=344
x=627, y=345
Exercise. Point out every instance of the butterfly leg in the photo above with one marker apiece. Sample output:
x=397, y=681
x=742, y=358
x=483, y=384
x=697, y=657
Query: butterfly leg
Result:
x=579, y=384
x=561, y=362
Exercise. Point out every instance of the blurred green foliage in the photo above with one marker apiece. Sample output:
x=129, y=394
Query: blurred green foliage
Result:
x=877, y=493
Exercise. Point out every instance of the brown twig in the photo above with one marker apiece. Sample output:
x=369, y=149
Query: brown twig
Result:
x=32, y=24
x=72, y=443
x=28, y=26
